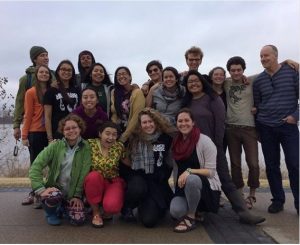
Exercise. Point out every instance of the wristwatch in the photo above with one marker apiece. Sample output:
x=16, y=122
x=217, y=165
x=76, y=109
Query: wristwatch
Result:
x=189, y=170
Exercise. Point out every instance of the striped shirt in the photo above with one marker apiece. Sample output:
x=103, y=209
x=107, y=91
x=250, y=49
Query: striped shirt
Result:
x=276, y=97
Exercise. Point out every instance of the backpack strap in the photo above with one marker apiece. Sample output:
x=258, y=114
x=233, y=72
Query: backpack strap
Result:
x=29, y=81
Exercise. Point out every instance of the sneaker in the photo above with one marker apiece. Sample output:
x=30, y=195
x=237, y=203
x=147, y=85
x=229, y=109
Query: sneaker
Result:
x=127, y=215
x=275, y=207
x=37, y=203
x=29, y=199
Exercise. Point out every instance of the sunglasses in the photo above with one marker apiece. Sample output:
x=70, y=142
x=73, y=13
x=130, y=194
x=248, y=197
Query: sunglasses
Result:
x=153, y=70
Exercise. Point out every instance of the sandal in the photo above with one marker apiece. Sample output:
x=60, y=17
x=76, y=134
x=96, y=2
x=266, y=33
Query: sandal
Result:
x=250, y=200
x=97, y=221
x=199, y=217
x=107, y=216
x=187, y=223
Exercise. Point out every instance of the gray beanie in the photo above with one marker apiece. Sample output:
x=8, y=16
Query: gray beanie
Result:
x=35, y=51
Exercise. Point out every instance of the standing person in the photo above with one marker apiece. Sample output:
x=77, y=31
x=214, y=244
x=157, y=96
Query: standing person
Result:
x=209, y=113
x=38, y=56
x=240, y=127
x=167, y=96
x=68, y=161
x=276, y=96
x=147, y=183
x=91, y=113
x=198, y=185
x=126, y=102
x=217, y=76
x=85, y=61
x=103, y=184
x=100, y=81
x=154, y=69
x=59, y=102
x=193, y=58
x=34, y=132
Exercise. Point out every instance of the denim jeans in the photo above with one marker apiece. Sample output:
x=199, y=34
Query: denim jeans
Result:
x=286, y=135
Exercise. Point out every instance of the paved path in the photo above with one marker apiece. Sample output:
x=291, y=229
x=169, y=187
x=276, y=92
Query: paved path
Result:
x=23, y=224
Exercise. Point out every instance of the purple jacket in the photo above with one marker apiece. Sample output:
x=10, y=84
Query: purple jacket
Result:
x=92, y=123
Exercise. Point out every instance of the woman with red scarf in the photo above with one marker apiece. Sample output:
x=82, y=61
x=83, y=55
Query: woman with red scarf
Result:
x=198, y=186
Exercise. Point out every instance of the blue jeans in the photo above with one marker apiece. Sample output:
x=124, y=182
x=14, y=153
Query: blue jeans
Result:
x=286, y=135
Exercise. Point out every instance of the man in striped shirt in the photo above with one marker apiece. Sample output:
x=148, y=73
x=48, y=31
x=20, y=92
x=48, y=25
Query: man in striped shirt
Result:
x=276, y=95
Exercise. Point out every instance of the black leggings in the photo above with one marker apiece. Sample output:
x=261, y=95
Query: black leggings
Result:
x=137, y=195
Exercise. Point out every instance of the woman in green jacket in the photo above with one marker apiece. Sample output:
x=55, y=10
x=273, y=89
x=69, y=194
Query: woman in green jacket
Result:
x=68, y=161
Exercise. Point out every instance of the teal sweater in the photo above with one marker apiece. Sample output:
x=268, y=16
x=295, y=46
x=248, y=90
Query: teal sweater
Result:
x=52, y=156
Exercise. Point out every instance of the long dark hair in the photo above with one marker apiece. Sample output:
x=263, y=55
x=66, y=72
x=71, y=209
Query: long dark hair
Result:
x=207, y=88
x=106, y=79
x=83, y=75
x=72, y=81
x=120, y=91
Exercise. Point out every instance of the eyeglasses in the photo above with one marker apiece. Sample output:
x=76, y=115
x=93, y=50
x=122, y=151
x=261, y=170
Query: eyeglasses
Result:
x=193, y=60
x=70, y=128
x=65, y=70
x=153, y=70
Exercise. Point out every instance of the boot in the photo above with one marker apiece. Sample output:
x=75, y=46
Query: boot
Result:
x=51, y=215
x=239, y=206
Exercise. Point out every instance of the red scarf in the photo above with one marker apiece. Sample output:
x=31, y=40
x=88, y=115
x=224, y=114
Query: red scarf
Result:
x=183, y=148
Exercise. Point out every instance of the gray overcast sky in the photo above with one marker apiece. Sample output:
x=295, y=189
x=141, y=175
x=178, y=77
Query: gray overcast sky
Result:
x=132, y=33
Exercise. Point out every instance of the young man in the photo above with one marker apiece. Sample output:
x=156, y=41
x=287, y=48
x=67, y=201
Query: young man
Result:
x=85, y=61
x=38, y=56
x=276, y=95
x=154, y=69
x=240, y=127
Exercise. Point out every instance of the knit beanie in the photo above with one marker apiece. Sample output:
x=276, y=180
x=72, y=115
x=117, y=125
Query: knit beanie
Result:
x=35, y=51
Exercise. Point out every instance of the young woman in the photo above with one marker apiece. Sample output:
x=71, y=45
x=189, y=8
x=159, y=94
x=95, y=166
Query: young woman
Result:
x=217, y=76
x=100, y=81
x=151, y=166
x=90, y=112
x=198, y=186
x=103, y=184
x=34, y=133
x=209, y=113
x=126, y=102
x=68, y=161
x=167, y=97
x=60, y=101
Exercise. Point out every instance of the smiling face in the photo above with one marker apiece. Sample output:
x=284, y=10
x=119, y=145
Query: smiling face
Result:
x=108, y=137
x=86, y=61
x=155, y=73
x=169, y=79
x=42, y=59
x=184, y=123
x=194, y=85
x=268, y=58
x=193, y=61
x=65, y=72
x=123, y=77
x=43, y=74
x=89, y=99
x=218, y=77
x=98, y=75
x=147, y=124
x=71, y=131
x=236, y=72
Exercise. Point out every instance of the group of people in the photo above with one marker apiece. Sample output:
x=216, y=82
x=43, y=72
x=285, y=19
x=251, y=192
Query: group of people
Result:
x=114, y=147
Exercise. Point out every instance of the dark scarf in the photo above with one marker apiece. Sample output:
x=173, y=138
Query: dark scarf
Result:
x=183, y=148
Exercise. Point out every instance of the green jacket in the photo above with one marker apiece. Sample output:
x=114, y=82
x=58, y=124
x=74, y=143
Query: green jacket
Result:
x=52, y=156
x=24, y=84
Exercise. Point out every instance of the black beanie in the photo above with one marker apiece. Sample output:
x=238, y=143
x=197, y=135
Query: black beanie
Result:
x=35, y=51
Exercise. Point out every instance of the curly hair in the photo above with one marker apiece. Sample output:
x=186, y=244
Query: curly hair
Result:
x=71, y=117
x=161, y=123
